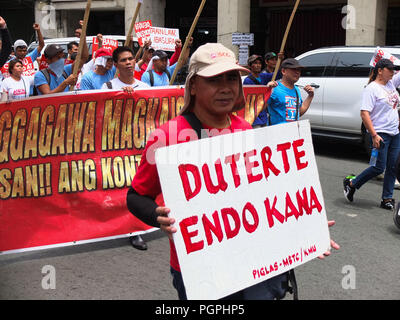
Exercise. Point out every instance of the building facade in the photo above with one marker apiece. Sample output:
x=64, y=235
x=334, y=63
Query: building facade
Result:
x=317, y=23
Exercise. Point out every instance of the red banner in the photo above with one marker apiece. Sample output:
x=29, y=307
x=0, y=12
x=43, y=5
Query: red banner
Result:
x=67, y=161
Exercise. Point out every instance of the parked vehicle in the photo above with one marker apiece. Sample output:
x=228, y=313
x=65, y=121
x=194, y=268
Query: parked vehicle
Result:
x=340, y=75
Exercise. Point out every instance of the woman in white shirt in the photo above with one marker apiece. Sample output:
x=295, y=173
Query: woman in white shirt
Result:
x=379, y=113
x=16, y=86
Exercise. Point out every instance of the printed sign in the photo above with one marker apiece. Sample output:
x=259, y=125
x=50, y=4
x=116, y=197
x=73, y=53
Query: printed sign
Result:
x=243, y=55
x=383, y=54
x=108, y=43
x=243, y=39
x=248, y=206
x=163, y=38
x=142, y=30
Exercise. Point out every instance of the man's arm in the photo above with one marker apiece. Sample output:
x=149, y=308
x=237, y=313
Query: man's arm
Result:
x=306, y=104
x=366, y=119
x=185, y=56
x=40, y=47
x=44, y=88
x=146, y=46
x=177, y=53
x=6, y=45
x=84, y=56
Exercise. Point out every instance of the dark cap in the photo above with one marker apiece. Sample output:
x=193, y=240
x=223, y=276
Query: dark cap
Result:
x=386, y=63
x=291, y=63
x=254, y=58
x=160, y=54
x=52, y=50
x=270, y=55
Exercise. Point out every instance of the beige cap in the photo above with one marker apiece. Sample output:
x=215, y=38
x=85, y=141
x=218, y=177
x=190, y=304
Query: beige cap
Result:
x=210, y=60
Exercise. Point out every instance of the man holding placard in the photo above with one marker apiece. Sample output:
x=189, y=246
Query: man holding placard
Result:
x=213, y=91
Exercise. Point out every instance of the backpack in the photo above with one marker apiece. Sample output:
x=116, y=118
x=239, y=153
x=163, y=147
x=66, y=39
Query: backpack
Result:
x=46, y=74
x=152, y=76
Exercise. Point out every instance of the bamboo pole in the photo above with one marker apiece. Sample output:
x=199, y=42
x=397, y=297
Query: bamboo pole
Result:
x=278, y=64
x=135, y=15
x=130, y=31
x=189, y=36
x=81, y=41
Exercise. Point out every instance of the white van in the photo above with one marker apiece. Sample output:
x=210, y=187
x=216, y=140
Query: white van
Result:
x=340, y=74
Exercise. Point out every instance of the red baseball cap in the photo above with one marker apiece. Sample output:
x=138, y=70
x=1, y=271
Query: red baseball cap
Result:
x=103, y=52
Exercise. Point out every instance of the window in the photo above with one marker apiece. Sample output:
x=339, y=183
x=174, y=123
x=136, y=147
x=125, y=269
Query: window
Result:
x=316, y=64
x=353, y=64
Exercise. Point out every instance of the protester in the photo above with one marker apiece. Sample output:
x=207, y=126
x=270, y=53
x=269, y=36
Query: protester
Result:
x=256, y=76
x=16, y=86
x=104, y=71
x=143, y=63
x=124, y=61
x=6, y=42
x=158, y=71
x=271, y=59
x=148, y=51
x=21, y=48
x=213, y=91
x=57, y=77
x=285, y=103
x=72, y=48
x=380, y=117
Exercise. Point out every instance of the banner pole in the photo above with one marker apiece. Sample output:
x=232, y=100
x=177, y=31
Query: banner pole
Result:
x=278, y=64
x=81, y=41
x=189, y=36
x=135, y=15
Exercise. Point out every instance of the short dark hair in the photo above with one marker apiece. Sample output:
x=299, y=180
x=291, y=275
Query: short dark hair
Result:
x=71, y=44
x=120, y=50
x=12, y=63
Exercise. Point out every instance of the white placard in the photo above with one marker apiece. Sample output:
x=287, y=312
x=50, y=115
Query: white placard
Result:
x=163, y=38
x=243, y=55
x=261, y=215
x=246, y=39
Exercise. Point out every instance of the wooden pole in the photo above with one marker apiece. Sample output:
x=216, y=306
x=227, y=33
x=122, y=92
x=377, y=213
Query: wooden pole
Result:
x=189, y=36
x=82, y=40
x=130, y=31
x=278, y=64
x=135, y=15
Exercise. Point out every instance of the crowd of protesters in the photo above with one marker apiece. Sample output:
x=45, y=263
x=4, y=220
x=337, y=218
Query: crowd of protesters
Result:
x=121, y=69
x=149, y=67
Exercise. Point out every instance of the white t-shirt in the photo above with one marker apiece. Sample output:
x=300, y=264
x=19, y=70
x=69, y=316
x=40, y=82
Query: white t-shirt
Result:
x=17, y=89
x=383, y=102
x=118, y=84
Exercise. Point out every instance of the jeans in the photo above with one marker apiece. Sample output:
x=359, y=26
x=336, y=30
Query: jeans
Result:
x=387, y=158
x=274, y=288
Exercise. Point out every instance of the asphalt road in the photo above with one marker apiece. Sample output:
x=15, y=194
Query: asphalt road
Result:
x=366, y=266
